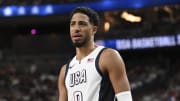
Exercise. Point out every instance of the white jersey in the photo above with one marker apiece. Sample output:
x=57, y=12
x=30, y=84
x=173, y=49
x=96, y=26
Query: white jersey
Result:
x=85, y=82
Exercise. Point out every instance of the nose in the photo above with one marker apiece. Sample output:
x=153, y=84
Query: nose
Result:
x=76, y=28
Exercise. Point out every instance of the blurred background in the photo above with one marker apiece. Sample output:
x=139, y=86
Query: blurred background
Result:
x=35, y=43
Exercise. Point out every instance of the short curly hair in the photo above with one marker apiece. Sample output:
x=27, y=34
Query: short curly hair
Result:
x=93, y=16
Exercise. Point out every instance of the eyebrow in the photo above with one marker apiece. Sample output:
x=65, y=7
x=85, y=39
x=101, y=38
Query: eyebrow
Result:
x=78, y=21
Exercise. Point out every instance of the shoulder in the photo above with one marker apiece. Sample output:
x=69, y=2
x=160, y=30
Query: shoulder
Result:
x=62, y=70
x=110, y=58
x=109, y=54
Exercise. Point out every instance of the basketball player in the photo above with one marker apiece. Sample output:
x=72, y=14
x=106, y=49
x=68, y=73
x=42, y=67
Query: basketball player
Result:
x=95, y=73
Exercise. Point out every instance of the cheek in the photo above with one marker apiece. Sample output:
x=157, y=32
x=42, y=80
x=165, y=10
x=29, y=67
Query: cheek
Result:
x=71, y=31
x=87, y=30
x=90, y=32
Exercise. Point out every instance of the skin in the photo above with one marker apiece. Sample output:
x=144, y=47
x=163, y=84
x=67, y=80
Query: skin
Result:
x=82, y=31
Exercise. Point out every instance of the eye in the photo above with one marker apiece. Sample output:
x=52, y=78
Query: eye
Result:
x=72, y=23
x=82, y=23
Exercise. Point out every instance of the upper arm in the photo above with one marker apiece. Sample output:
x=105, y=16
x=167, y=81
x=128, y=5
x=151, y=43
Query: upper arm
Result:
x=61, y=85
x=112, y=63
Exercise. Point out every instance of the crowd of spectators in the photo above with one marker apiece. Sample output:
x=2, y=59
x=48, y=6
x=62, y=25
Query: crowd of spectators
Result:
x=36, y=80
x=28, y=83
x=155, y=79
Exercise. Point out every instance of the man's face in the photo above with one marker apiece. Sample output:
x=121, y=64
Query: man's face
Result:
x=81, y=30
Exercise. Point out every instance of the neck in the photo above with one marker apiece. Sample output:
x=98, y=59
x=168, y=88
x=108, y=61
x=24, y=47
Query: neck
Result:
x=82, y=52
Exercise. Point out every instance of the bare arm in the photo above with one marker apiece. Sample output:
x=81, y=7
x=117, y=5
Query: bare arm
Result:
x=61, y=85
x=112, y=63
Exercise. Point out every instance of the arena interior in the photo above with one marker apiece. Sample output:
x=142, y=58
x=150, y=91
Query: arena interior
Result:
x=34, y=45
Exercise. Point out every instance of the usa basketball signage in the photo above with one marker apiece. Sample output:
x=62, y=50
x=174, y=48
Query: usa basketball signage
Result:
x=140, y=43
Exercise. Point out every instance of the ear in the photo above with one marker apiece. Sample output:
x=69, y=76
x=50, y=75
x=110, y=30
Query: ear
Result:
x=94, y=29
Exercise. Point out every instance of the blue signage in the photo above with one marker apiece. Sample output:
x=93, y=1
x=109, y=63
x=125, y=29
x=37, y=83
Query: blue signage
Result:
x=65, y=8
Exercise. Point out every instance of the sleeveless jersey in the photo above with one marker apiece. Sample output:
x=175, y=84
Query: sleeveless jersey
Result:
x=84, y=80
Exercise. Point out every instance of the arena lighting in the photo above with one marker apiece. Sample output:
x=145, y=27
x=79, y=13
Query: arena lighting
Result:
x=21, y=10
x=7, y=11
x=106, y=26
x=130, y=17
x=33, y=31
x=49, y=9
x=35, y=10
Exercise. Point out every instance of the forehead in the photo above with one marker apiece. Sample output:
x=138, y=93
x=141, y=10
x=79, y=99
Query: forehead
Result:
x=80, y=17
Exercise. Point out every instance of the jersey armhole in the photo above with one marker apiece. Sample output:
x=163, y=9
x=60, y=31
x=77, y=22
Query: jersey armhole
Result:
x=67, y=67
x=97, y=62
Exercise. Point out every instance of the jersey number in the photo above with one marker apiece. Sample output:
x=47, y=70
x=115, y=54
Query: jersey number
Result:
x=78, y=96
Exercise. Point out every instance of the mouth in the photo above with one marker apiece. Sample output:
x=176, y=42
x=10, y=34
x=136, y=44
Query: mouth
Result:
x=76, y=37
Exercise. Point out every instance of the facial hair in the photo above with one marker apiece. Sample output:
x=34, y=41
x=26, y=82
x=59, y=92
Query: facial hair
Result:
x=82, y=43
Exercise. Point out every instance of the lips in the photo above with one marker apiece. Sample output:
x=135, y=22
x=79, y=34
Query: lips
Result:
x=76, y=37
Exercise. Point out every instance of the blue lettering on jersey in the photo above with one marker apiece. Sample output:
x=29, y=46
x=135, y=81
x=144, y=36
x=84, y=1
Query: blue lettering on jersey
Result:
x=77, y=78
